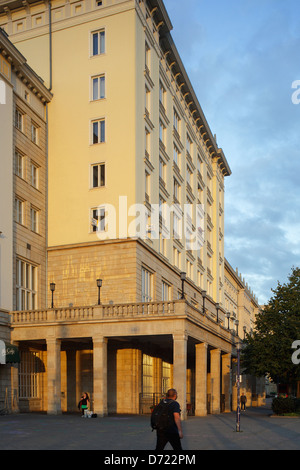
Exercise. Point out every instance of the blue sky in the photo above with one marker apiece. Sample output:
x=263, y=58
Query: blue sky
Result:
x=242, y=57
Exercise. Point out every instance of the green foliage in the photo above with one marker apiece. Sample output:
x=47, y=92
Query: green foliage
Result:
x=269, y=349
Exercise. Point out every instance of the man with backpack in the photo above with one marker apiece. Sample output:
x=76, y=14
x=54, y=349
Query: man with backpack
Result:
x=165, y=419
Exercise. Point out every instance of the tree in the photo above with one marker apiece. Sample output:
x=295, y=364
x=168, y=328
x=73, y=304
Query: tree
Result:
x=268, y=350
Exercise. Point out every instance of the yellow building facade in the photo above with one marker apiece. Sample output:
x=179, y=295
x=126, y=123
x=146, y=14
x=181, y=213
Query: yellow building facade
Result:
x=135, y=197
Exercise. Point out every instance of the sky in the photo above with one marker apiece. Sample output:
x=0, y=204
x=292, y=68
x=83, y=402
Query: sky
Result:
x=243, y=60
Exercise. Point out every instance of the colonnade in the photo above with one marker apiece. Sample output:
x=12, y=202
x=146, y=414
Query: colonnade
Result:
x=219, y=381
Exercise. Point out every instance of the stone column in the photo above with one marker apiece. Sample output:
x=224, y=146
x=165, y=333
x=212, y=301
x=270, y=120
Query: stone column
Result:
x=201, y=380
x=215, y=370
x=226, y=381
x=54, y=376
x=100, y=375
x=179, y=370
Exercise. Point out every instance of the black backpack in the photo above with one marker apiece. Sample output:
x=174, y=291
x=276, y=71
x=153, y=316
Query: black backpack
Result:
x=160, y=419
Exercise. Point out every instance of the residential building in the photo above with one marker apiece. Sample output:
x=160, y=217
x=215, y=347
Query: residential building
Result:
x=135, y=198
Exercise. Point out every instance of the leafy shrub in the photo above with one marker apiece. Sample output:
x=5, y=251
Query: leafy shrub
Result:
x=283, y=405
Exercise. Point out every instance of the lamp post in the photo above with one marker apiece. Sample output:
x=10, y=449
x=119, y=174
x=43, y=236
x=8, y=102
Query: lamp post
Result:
x=203, y=296
x=217, y=307
x=238, y=409
x=52, y=288
x=99, y=285
x=182, y=277
x=237, y=327
x=228, y=318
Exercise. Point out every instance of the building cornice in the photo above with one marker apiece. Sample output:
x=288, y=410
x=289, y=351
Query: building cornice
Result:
x=22, y=69
x=171, y=53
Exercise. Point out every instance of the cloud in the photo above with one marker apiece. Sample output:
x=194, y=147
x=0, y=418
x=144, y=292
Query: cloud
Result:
x=241, y=58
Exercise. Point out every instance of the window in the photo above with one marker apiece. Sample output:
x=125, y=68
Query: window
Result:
x=147, y=57
x=147, y=285
x=98, y=85
x=162, y=95
x=19, y=119
x=98, y=175
x=166, y=291
x=147, y=186
x=162, y=132
x=99, y=3
x=98, y=219
x=147, y=143
x=34, y=219
x=166, y=377
x=19, y=205
x=162, y=170
x=176, y=190
x=98, y=43
x=26, y=286
x=99, y=131
x=177, y=229
x=176, y=122
x=34, y=175
x=19, y=164
x=147, y=375
x=189, y=144
x=34, y=133
x=147, y=100
x=177, y=258
x=29, y=369
x=176, y=156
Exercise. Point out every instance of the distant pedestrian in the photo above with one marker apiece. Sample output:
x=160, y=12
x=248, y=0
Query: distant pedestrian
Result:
x=243, y=402
x=166, y=420
x=84, y=403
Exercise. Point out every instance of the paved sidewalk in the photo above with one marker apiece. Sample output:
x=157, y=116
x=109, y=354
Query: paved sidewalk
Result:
x=259, y=431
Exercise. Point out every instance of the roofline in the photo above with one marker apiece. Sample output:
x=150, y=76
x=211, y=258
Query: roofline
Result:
x=22, y=69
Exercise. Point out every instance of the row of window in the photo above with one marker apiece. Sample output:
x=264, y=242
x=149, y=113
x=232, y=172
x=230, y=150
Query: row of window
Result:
x=21, y=167
x=20, y=123
x=21, y=214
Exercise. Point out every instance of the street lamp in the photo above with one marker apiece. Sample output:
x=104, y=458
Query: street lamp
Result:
x=228, y=318
x=217, y=307
x=238, y=409
x=52, y=288
x=183, y=278
x=99, y=285
x=237, y=327
x=203, y=296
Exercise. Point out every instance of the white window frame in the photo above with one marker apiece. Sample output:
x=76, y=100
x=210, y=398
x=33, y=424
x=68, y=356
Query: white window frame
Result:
x=165, y=291
x=34, y=133
x=19, y=164
x=100, y=125
x=26, y=285
x=98, y=219
x=101, y=42
x=34, y=219
x=19, y=208
x=98, y=82
x=19, y=119
x=147, y=285
x=101, y=175
x=34, y=175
